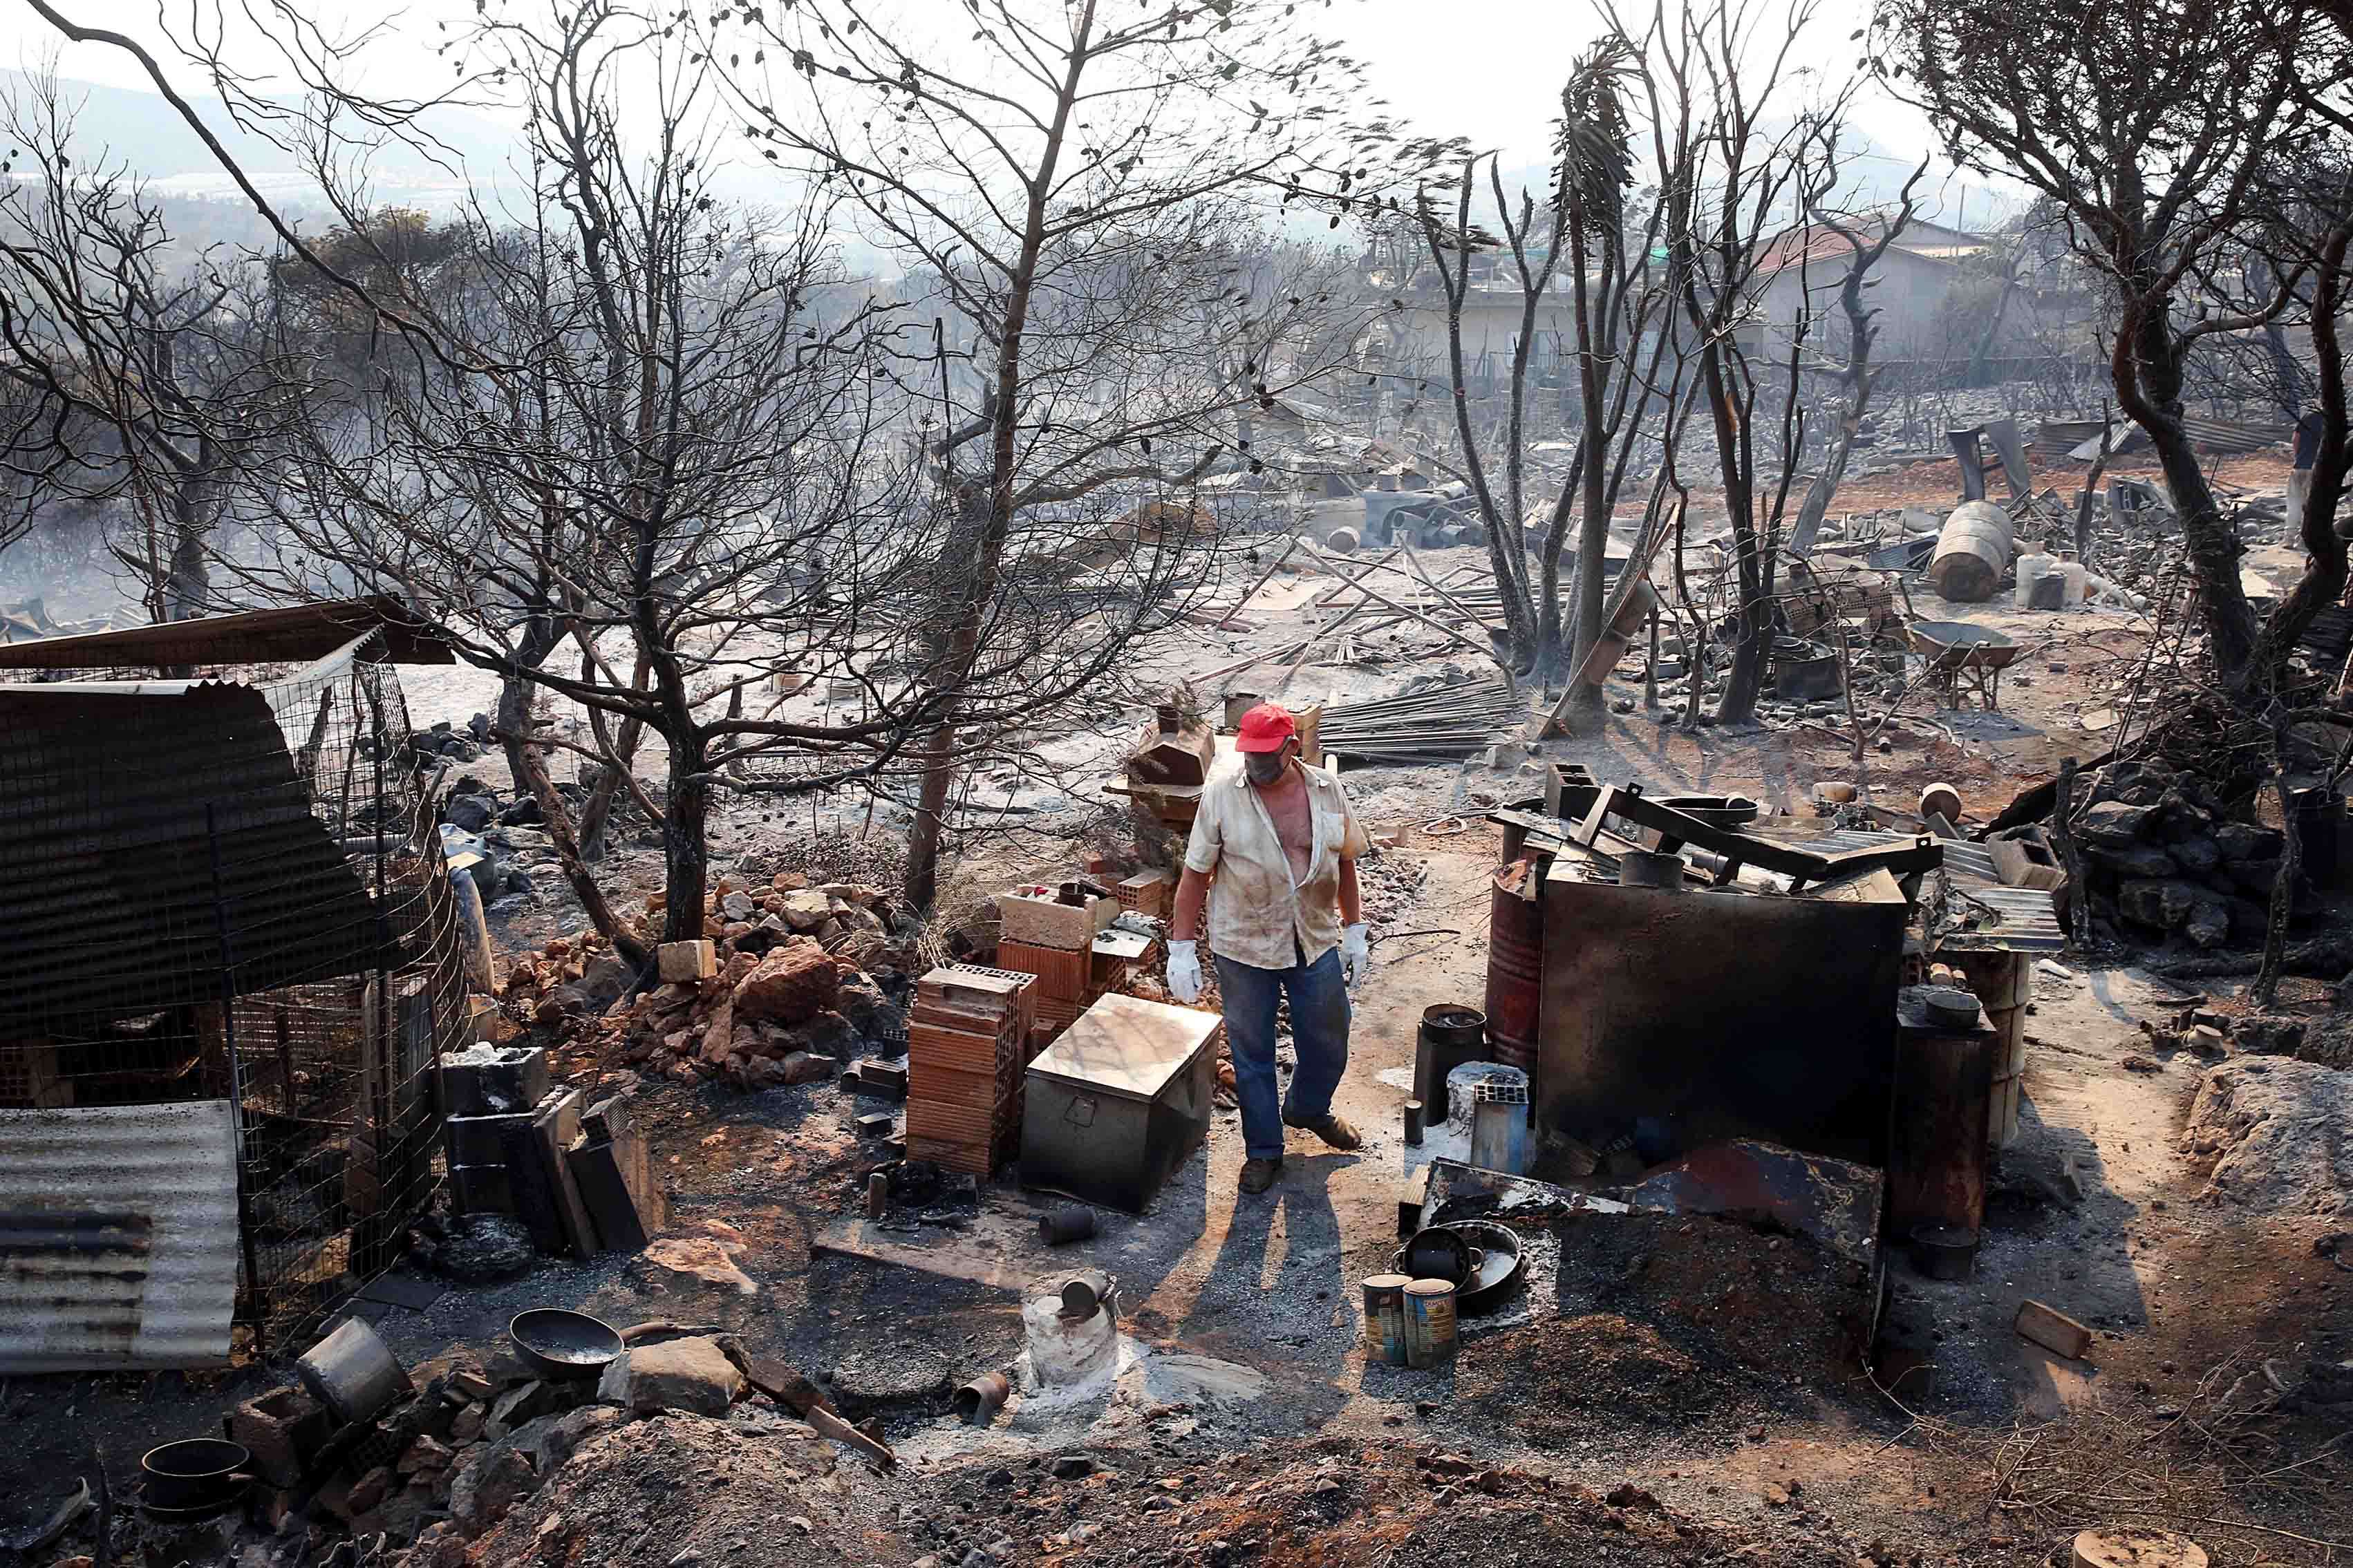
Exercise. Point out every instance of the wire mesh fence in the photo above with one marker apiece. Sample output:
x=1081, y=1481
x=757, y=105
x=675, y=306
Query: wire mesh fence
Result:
x=233, y=890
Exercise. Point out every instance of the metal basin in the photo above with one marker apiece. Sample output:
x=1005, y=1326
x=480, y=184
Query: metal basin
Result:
x=559, y=1344
x=1499, y=1270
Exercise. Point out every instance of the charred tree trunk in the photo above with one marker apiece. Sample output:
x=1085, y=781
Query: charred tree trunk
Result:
x=686, y=853
x=530, y=770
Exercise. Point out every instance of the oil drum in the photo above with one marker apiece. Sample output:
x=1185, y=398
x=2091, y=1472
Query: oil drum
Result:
x=1514, y=968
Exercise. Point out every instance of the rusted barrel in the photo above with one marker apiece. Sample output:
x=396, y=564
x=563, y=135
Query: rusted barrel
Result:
x=1514, y=965
x=1972, y=553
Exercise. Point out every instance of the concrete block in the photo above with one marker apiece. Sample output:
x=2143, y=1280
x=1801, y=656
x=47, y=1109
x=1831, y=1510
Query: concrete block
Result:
x=481, y=1140
x=491, y=1080
x=686, y=961
x=282, y=1429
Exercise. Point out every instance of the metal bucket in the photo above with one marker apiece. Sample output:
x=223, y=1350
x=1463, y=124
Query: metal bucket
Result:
x=1429, y=1322
x=1450, y=1034
x=1384, y=1318
x=1807, y=672
x=1515, y=971
x=1972, y=553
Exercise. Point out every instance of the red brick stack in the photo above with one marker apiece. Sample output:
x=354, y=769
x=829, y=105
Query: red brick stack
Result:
x=967, y=1045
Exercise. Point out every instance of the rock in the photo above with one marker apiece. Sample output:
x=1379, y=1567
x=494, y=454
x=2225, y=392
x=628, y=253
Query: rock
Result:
x=550, y=1442
x=468, y=1425
x=862, y=1002
x=471, y=813
x=2160, y=905
x=2197, y=854
x=424, y=1455
x=792, y=984
x=805, y=908
x=1071, y=1467
x=2143, y=860
x=738, y=906
x=2208, y=924
x=2113, y=824
x=800, y=1067
x=700, y=1258
x=369, y=1491
x=829, y=1034
x=522, y=812
x=487, y=1486
x=2247, y=841
x=442, y=1545
x=525, y=1402
x=692, y=1375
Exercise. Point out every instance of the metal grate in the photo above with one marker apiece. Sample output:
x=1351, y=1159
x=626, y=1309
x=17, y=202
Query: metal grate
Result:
x=216, y=890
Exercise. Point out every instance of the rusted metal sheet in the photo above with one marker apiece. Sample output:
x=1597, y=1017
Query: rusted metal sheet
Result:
x=116, y=815
x=1717, y=1014
x=118, y=1237
x=297, y=632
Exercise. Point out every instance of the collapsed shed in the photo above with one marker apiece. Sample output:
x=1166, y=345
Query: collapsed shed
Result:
x=233, y=956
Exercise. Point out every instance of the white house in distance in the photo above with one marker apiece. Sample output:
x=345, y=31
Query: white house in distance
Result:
x=1801, y=272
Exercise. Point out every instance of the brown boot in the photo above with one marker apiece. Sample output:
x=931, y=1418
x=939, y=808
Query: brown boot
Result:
x=1331, y=1129
x=1258, y=1174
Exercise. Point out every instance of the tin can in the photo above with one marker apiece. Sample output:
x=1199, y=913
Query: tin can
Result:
x=1429, y=1322
x=1384, y=1318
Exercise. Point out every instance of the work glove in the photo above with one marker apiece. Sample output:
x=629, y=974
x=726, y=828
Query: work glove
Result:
x=1355, y=953
x=1184, y=971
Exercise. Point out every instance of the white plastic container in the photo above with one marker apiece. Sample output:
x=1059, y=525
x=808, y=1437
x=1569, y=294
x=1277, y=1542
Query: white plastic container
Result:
x=2072, y=570
x=2032, y=567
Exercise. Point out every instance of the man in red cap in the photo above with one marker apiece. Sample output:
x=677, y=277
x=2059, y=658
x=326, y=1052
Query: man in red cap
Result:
x=1285, y=920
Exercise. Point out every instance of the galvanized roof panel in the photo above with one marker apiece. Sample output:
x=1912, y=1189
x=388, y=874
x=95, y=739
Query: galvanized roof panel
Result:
x=118, y=1237
x=2030, y=923
x=301, y=632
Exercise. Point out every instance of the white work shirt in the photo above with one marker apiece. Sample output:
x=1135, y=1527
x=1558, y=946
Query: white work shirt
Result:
x=1257, y=916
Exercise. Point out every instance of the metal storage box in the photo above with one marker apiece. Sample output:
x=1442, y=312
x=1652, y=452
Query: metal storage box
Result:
x=1120, y=1102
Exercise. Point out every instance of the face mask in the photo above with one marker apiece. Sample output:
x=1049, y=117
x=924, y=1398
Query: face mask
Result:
x=1264, y=767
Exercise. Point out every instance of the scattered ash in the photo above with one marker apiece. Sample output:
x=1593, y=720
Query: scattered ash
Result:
x=1390, y=884
x=476, y=1248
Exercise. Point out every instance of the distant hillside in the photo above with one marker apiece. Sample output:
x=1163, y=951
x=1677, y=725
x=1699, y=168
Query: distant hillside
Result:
x=143, y=130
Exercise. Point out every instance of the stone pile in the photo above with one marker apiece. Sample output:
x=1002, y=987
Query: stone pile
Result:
x=777, y=992
x=2162, y=859
x=442, y=1451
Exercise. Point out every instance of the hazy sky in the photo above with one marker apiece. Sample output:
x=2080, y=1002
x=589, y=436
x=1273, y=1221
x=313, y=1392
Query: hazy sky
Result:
x=1490, y=70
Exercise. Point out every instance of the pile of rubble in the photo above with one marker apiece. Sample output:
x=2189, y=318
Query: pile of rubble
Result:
x=2161, y=858
x=774, y=993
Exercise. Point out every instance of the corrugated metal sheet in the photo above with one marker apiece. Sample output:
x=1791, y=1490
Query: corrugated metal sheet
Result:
x=2030, y=923
x=107, y=895
x=118, y=1237
x=250, y=637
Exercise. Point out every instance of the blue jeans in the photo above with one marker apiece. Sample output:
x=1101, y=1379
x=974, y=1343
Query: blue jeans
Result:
x=1319, y=1032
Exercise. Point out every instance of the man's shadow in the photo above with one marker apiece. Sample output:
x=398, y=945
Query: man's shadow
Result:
x=1280, y=1278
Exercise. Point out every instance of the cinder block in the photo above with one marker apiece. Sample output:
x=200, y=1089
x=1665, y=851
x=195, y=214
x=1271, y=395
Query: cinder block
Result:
x=493, y=1080
x=282, y=1429
x=481, y=1140
x=686, y=961
x=483, y=1189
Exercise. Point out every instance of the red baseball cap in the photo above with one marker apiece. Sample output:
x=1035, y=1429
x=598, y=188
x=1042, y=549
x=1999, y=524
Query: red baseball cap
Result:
x=1265, y=728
